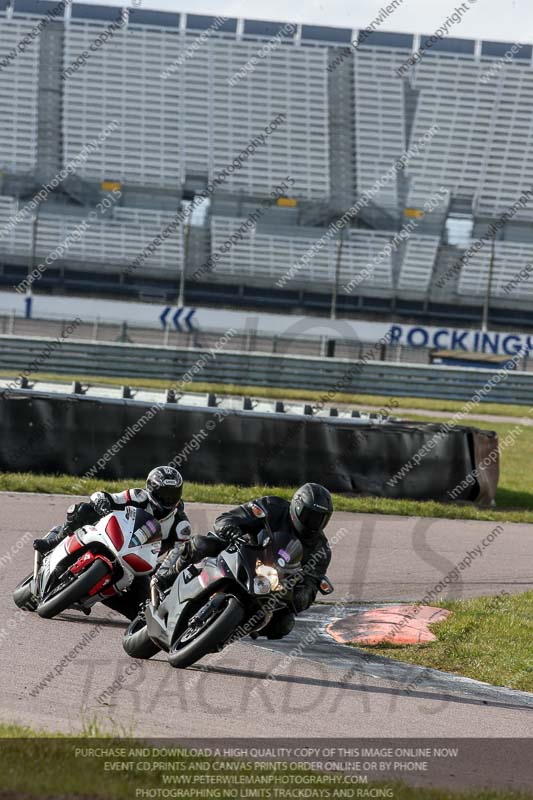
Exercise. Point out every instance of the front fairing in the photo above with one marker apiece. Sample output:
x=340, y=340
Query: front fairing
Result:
x=115, y=536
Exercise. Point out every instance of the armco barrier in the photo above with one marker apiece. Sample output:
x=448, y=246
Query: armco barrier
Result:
x=256, y=369
x=109, y=438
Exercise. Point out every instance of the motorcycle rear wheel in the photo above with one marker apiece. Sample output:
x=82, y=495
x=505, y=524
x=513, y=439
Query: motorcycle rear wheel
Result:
x=23, y=596
x=136, y=641
x=208, y=639
x=75, y=591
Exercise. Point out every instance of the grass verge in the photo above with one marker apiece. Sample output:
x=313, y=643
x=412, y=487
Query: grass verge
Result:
x=372, y=401
x=57, y=770
x=233, y=495
x=487, y=638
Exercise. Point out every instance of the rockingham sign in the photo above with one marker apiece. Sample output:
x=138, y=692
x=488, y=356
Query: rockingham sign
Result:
x=150, y=315
x=474, y=341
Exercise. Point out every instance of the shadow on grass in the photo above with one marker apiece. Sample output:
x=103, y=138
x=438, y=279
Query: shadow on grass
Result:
x=514, y=500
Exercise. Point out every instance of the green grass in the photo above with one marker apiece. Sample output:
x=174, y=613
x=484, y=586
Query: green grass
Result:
x=487, y=638
x=233, y=495
x=370, y=401
x=47, y=765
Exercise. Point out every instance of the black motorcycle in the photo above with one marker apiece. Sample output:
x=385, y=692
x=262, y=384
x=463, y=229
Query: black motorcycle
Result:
x=219, y=600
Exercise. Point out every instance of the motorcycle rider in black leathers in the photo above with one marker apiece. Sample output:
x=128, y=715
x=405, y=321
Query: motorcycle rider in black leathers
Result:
x=162, y=498
x=305, y=516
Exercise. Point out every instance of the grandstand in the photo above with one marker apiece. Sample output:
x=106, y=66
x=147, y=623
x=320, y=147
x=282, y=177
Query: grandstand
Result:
x=178, y=129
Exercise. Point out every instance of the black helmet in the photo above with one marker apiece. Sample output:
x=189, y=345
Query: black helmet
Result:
x=164, y=486
x=311, y=509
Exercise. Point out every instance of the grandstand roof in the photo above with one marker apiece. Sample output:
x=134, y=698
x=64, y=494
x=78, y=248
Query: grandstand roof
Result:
x=249, y=28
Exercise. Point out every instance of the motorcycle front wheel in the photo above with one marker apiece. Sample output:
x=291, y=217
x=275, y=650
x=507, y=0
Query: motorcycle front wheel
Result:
x=136, y=641
x=63, y=597
x=201, y=638
x=23, y=596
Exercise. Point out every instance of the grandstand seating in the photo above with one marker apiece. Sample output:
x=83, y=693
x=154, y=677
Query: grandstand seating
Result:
x=194, y=121
x=380, y=127
x=510, y=260
x=263, y=258
x=476, y=152
x=418, y=263
x=14, y=238
x=112, y=242
x=19, y=89
x=190, y=126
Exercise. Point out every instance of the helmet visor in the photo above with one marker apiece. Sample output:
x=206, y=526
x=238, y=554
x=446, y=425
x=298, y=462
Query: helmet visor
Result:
x=167, y=496
x=314, y=519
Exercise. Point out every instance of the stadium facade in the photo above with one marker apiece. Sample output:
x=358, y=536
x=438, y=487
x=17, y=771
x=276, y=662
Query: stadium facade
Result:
x=328, y=156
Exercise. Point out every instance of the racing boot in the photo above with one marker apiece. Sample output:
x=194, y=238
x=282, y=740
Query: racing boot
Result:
x=51, y=540
x=173, y=564
x=78, y=514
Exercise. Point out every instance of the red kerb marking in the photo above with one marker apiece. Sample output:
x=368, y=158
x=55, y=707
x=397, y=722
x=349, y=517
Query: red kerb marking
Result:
x=398, y=625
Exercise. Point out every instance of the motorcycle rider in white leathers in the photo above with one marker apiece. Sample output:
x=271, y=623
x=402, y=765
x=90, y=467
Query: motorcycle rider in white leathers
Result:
x=162, y=498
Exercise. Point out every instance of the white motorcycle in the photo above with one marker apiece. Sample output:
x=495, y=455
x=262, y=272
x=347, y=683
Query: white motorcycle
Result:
x=97, y=562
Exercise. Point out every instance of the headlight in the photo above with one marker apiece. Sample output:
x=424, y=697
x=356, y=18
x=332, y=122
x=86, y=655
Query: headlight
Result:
x=270, y=574
x=262, y=585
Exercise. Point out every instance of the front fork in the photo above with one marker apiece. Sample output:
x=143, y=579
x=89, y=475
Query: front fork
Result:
x=155, y=597
x=37, y=561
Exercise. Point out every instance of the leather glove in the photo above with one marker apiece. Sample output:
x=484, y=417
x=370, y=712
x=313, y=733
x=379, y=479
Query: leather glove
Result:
x=230, y=533
x=302, y=598
x=101, y=504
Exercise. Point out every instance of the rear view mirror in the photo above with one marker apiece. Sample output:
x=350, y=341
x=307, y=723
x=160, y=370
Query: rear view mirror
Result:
x=326, y=586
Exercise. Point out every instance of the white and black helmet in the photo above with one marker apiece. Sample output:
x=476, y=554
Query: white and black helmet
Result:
x=311, y=509
x=164, y=486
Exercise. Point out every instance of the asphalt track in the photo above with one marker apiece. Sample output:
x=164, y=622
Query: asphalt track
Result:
x=267, y=689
